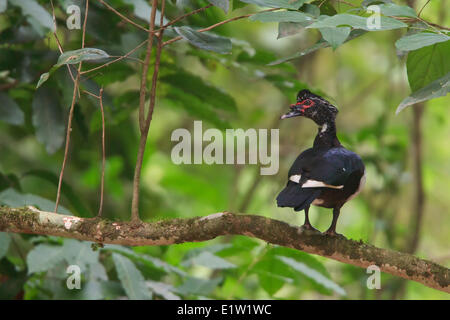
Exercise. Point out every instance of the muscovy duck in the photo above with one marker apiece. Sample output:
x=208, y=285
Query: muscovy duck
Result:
x=326, y=175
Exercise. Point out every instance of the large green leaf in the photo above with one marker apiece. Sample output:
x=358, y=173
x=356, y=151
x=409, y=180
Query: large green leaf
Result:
x=48, y=119
x=335, y=36
x=5, y=240
x=287, y=4
x=3, y=6
x=163, y=289
x=419, y=40
x=312, y=274
x=36, y=15
x=194, y=85
x=209, y=260
x=85, y=54
x=428, y=64
x=14, y=199
x=146, y=259
x=319, y=45
x=282, y=16
x=356, y=22
x=436, y=89
x=197, y=286
x=10, y=112
x=395, y=10
x=206, y=41
x=44, y=257
x=131, y=278
x=79, y=253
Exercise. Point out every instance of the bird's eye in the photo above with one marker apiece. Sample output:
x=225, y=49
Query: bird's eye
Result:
x=307, y=102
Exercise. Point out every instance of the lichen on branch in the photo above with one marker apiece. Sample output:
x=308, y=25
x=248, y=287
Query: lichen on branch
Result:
x=166, y=232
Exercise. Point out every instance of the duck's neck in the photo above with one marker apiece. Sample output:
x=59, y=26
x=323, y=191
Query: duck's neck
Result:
x=326, y=136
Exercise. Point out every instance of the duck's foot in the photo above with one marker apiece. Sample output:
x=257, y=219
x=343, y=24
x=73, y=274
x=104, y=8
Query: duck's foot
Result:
x=309, y=227
x=333, y=233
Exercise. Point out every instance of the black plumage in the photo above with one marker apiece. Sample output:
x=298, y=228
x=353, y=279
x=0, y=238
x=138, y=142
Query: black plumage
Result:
x=326, y=175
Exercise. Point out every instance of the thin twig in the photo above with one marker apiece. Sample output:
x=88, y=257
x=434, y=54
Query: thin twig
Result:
x=72, y=107
x=115, y=60
x=102, y=182
x=57, y=39
x=187, y=15
x=143, y=88
x=123, y=17
x=420, y=11
x=219, y=24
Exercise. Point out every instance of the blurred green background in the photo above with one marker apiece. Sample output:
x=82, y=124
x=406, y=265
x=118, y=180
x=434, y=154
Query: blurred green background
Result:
x=365, y=78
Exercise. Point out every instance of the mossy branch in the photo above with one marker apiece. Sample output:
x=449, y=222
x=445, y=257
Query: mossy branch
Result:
x=166, y=232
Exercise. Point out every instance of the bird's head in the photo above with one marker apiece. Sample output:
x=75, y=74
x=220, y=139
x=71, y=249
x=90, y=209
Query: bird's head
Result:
x=313, y=107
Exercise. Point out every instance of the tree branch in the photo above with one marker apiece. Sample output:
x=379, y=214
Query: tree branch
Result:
x=166, y=232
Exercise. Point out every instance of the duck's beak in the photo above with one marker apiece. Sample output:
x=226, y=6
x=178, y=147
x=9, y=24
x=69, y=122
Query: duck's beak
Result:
x=296, y=110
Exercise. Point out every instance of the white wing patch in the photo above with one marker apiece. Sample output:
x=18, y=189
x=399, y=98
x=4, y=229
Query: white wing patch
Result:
x=312, y=183
x=319, y=184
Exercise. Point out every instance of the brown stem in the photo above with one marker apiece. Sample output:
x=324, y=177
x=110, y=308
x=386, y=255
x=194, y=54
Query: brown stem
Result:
x=102, y=182
x=419, y=191
x=145, y=125
x=172, y=231
x=72, y=107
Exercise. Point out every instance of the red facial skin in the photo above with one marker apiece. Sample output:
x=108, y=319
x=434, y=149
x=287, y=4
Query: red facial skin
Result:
x=304, y=106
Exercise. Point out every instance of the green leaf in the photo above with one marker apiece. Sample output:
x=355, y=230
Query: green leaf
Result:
x=427, y=64
x=5, y=240
x=438, y=88
x=395, y=10
x=419, y=40
x=286, y=29
x=79, y=253
x=287, y=4
x=356, y=22
x=209, y=260
x=335, y=36
x=36, y=15
x=146, y=259
x=44, y=77
x=311, y=9
x=48, y=119
x=205, y=41
x=272, y=275
x=14, y=199
x=319, y=45
x=163, y=289
x=193, y=85
x=3, y=6
x=131, y=278
x=44, y=257
x=10, y=111
x=222, y=4
x=282, y=16
x=312, y=274
x=198, y=286
x=85, y=54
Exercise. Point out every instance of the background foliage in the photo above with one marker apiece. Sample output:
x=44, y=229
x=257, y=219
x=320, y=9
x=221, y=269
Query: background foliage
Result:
x=241, y=80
